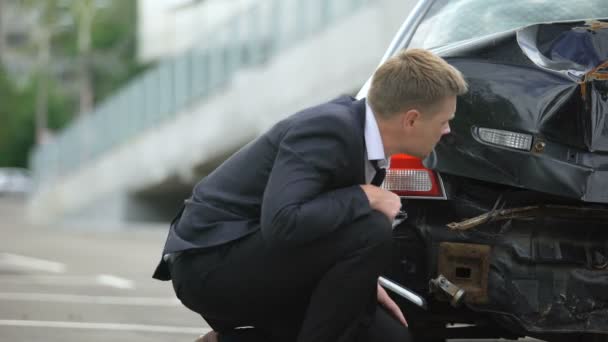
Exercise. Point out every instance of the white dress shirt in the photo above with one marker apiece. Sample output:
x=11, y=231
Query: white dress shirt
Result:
x=373, y=143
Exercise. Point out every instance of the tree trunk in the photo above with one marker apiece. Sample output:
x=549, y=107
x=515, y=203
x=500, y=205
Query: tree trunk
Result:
x=2, y=51
x=44, y=54
x=85, y=23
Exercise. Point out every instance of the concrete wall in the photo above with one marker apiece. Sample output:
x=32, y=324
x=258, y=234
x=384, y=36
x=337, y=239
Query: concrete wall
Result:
x=180, y=24
x=122, y=184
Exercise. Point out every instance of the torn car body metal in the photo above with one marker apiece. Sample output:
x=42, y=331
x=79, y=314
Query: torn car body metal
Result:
x=517, y=243
x=545, y=81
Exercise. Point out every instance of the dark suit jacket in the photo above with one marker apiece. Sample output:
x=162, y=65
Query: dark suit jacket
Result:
x=297, y=182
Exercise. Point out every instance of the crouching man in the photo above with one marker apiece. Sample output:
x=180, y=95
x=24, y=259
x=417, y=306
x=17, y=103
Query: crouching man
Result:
x=290, y=234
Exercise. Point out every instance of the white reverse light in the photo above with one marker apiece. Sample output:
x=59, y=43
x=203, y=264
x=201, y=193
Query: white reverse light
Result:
x=509, y=139
x=408, y=180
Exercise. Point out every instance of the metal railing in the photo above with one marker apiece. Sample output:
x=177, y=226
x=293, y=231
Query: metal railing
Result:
x=248, y=39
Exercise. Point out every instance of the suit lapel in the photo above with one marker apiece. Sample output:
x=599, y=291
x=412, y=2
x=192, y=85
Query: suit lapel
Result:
x=359, y=111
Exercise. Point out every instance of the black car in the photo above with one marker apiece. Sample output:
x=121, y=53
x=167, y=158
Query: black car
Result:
x=505, y=230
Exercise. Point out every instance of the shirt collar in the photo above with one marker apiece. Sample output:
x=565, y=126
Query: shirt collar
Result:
x=373, y=140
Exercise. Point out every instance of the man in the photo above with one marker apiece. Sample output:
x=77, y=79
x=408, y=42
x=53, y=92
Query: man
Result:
x=289, y=236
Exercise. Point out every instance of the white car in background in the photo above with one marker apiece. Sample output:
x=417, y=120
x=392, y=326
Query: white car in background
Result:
x=15, y=181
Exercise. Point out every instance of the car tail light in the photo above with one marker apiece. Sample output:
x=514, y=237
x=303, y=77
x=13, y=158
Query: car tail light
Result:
x=407, y=177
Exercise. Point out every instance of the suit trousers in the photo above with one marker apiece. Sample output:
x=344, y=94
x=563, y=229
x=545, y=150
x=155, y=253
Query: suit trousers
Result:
x=322, y=291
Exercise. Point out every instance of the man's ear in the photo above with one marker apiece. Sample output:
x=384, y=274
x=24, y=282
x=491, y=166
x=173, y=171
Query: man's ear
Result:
x=409, y=118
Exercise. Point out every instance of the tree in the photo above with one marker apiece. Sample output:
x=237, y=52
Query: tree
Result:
x=49, y=23
x=85, y=51
x=1, y=31
x=16, y=123
x=84, y=12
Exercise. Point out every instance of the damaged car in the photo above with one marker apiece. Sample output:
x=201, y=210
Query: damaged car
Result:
x=505, y=226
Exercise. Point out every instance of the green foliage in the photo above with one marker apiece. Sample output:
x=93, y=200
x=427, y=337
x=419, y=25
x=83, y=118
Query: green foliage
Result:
x=114, y=25
x=114, y=37
x=16, y=124
x=60, y=107
x=112, y=62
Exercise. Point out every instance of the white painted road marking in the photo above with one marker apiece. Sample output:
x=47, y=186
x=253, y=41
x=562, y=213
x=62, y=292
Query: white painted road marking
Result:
x=49, y=279
x=30, y=263
x=82, y=299
x=104, y=326
x=104, y=280
x=114, y=281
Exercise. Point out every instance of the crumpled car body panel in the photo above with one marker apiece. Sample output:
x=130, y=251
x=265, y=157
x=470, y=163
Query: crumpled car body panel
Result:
x=540, y=215
x=546, y=80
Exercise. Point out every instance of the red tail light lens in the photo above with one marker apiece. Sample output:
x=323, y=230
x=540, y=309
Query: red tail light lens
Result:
x=407, y=177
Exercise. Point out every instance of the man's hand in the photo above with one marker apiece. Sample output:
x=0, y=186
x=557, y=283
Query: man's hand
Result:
x=382, y=200
x=390, y=305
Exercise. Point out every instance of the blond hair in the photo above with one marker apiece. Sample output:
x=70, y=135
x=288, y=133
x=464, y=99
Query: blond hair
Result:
x=411, y=79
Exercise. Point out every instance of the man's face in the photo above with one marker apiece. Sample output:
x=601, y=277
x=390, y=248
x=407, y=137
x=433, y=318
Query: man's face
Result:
x=425, y=130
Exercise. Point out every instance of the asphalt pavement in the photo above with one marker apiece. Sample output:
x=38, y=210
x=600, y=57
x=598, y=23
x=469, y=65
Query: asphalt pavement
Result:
x=78, y=284
x=74, y=283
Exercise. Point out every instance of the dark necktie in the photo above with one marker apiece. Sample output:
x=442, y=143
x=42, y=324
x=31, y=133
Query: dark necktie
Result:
x=380, y=174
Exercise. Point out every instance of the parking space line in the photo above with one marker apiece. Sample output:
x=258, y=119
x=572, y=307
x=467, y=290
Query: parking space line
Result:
x=114, y=281
x=84, y=299
x=105, y=326
x=105, y=280
x=30, y=263
x=49, y=279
